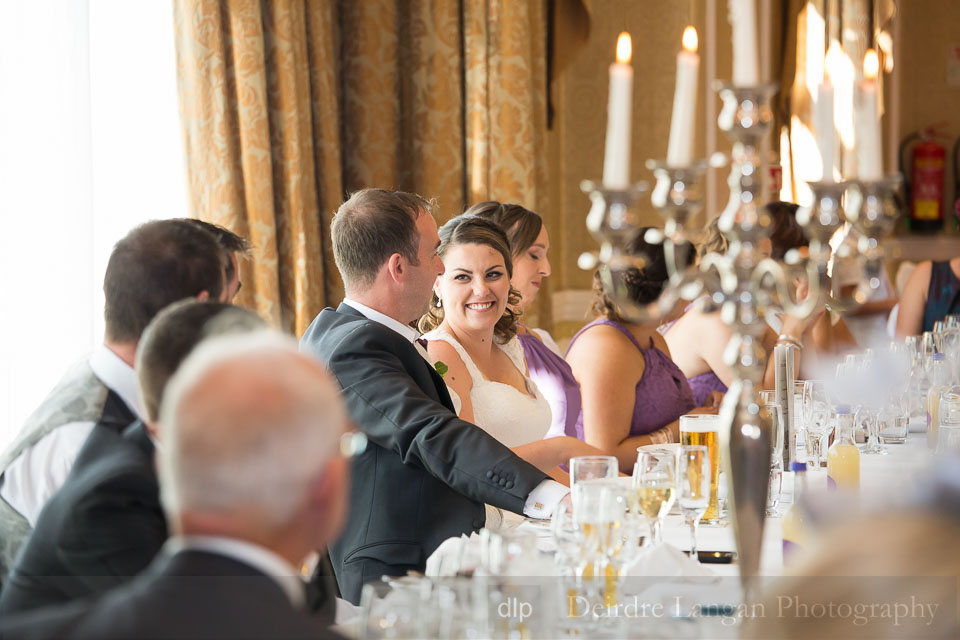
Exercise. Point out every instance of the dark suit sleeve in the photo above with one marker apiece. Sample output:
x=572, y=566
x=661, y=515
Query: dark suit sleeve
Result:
x=398, y=415
x=114, y=532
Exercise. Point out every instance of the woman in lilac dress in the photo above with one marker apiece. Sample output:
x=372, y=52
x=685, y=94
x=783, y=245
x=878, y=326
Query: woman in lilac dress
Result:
x=530, y=244
x=632, y=392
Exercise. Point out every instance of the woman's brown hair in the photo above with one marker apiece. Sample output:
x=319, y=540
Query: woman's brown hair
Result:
x=471, y=229
x=643, y=285
x=521, y=225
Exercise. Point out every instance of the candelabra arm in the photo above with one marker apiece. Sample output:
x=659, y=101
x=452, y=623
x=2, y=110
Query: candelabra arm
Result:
x=724, y=269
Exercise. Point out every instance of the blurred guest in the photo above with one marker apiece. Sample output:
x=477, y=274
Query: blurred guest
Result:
x=105, y=524
x=426, y=475
x=529, y=245
x=633, y=394
x=472, y=325
x=698, y=339
x=156, y=264
x=886, y=574
x=251, y=482
x=932, y=292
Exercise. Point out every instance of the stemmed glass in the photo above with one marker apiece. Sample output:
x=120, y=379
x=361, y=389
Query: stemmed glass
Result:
x=693, y=488
x=816, y=410
x=654, y=482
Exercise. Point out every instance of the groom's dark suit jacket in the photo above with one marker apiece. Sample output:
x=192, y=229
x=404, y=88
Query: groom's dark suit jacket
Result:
x=426, y=474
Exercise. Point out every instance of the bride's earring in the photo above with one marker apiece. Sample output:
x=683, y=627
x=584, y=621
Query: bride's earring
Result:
x=439, y=303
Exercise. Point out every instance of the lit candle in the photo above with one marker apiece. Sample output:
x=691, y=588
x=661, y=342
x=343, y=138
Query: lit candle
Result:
x=823, y=116
x=616, y=159
x=743, y=19
x=869, y=158
x=680, y=147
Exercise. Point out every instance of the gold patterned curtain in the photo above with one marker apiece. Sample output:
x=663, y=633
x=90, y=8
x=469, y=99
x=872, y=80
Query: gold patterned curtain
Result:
x=287, y=106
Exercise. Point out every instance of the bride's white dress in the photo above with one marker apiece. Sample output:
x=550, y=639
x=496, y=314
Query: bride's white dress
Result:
x=512, y=417
x=509, y=415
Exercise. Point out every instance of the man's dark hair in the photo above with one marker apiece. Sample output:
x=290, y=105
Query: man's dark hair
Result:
x=174, y=333
x=156, y=264
x=228, y=241
x=371, y=226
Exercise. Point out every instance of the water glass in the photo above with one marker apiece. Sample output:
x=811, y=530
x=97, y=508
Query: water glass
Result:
x=948, y=436
x=776, y=458
x=592, y=468
x=654, y=480
x=693, y=488
x=816, y=413
x=894, y=418
x=386, y=612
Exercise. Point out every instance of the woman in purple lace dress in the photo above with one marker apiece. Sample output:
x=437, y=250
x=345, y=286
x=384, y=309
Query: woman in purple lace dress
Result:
x=632, y=392
x=530, y=243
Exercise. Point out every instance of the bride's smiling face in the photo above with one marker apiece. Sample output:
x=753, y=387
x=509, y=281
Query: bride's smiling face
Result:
x=473, y=288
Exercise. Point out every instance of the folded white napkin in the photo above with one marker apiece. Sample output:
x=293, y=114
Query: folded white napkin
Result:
x=666, y=561
x=445, y=560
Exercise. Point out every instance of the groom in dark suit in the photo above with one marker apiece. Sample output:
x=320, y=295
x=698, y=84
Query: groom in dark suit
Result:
x=426, y=475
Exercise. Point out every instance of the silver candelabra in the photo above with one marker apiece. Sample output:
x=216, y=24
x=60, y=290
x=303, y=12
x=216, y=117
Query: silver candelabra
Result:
x=742, y=283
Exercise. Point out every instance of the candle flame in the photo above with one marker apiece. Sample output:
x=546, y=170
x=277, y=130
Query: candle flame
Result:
x=690, y=40
x=624, y=48
x=871, y=65
x=831, y=65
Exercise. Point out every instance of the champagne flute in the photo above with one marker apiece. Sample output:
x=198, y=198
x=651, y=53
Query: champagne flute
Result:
x=693, y=488
x=654, y=482
x=776, y=458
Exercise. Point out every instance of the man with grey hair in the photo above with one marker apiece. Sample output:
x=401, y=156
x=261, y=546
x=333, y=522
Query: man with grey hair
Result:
x=252, y=481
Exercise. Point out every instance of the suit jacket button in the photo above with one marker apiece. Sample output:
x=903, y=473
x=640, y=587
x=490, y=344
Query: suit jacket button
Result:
x=509, y=484
x=503, y=482
x=489, y=474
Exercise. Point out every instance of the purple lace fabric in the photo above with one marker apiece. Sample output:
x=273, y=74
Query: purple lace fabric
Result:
x=663, y=394
x=703, y=384
x=554, y=378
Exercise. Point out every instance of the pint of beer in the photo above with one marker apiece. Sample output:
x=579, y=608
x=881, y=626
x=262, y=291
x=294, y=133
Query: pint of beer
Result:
x=702, y=429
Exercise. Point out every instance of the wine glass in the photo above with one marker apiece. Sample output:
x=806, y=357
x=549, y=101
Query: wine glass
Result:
x=654, y=482
x=593, y=468
x=928, y=347
x=816, y=410
x=693, y=488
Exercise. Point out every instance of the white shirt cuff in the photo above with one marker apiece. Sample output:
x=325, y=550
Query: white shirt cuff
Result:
x=544, y=498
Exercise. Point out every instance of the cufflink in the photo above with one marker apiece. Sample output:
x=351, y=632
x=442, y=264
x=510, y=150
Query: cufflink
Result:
x=538, y=505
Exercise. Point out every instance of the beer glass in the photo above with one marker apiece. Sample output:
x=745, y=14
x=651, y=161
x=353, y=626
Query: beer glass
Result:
x=702, y=429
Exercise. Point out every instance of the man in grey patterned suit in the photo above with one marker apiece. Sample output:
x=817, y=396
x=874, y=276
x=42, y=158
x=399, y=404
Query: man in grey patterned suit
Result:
x=156, y=264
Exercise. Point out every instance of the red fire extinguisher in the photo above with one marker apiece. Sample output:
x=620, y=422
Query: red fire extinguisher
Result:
x=924, y=189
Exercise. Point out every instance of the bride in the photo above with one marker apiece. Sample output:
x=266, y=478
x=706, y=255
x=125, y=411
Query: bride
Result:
x=471, y=332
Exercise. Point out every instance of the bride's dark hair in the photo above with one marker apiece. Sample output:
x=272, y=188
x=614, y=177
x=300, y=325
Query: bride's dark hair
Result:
x=470, y=229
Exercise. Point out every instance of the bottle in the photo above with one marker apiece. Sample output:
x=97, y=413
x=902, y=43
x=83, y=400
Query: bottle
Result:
x=843, y=458
x=794, y=526
x=938, y=382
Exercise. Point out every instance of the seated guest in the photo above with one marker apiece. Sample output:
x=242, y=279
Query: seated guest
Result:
x=156, y=264
x=251, y=482
x=426, y=474
x=529, y=245
x=105, y=524
x=698, y=340
x=472, y=331
x=633, y=394
x=234, y=247
x=932, y=292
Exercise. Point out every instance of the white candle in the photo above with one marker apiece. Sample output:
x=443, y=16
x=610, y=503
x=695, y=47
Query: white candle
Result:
x=743, y=19
x=869, y=158
x=680, y=147
x=616, y=159
x=823, y=117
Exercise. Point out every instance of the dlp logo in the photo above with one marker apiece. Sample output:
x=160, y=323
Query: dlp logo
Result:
x=515, y=608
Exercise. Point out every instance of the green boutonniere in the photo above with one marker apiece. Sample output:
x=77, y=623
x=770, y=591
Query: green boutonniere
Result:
x=441, y=368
